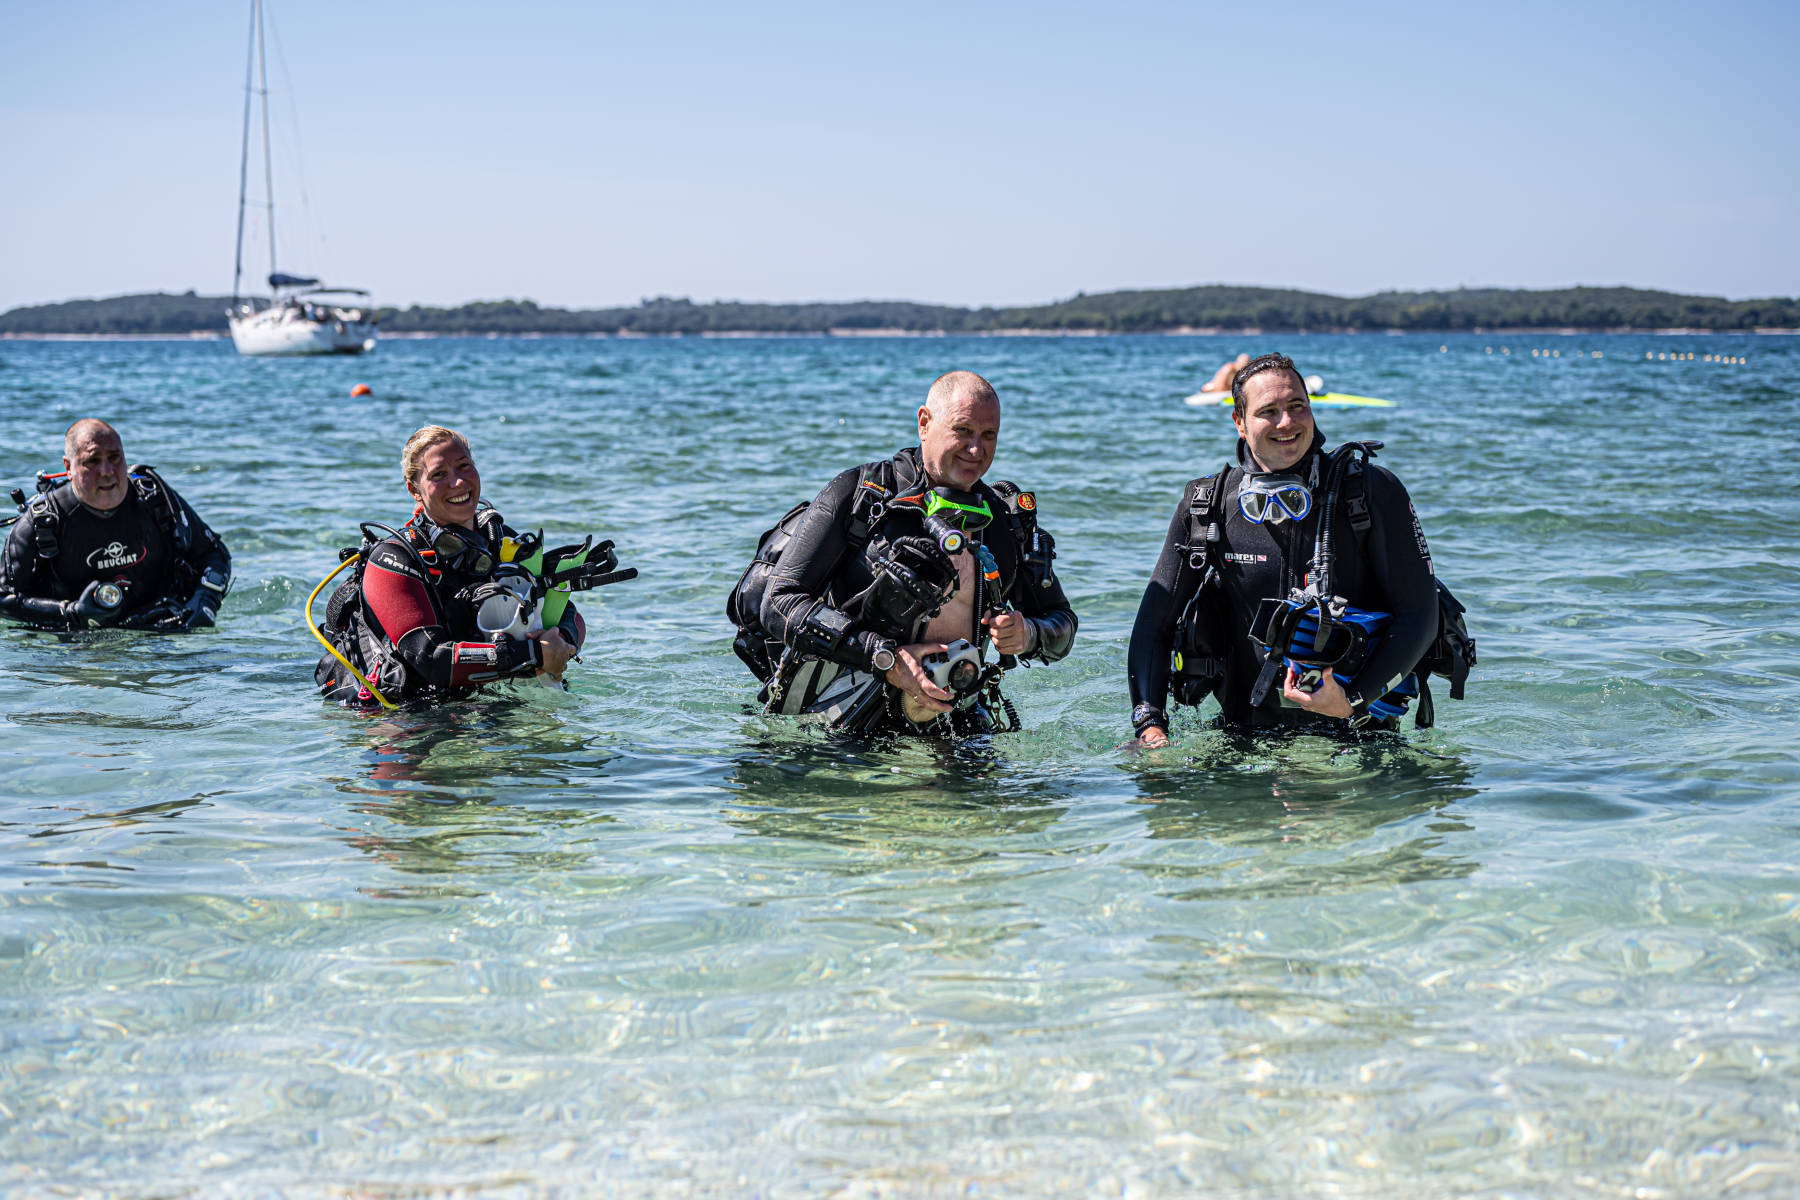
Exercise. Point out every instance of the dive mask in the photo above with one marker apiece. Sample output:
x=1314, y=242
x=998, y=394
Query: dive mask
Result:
x=1273, y=498
x=965, y=510
x=461, y=551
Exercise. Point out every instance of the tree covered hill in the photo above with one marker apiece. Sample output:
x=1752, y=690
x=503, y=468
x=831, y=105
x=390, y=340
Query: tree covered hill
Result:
x=154, y=312
x=1212, y=307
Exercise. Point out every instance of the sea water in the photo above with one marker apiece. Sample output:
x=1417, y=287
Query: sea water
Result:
x=636, y=937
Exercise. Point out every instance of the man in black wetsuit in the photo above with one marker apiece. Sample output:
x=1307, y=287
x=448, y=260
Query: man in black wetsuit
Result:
x=1387, y=569
x=827, y=602
x=111, y=545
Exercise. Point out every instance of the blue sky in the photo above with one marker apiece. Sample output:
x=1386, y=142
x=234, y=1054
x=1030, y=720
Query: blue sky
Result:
x=967, y=153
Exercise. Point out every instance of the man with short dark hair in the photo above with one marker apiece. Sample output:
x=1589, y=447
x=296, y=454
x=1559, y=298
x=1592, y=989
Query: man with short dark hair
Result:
x=1258, y=541
x=898, y=566
x=106, y=544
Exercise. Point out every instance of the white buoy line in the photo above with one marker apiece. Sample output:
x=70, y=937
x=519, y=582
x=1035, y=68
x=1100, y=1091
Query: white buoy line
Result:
x=1736, y=360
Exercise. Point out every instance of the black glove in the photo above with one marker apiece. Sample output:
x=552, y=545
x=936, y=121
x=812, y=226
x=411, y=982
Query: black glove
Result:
x=912, y=582
x=90, y=610
x=198, y=613
x=201, y=610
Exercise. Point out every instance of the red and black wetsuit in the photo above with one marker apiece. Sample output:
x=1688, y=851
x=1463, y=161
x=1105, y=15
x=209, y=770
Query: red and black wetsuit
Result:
x=414, y=629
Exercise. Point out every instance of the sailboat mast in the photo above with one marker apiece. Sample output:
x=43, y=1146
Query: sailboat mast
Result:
x=237, y=270
x=262, y=78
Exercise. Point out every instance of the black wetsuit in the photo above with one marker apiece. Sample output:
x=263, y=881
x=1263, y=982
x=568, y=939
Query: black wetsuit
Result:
x=153, y=545
x=817, y=566
x=1386, y=570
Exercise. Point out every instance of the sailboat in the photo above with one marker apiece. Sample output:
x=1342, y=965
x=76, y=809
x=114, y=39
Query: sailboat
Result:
x=300, y=315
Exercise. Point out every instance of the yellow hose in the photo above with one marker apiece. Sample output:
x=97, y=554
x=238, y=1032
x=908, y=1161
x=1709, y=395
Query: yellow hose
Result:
x=373, y=690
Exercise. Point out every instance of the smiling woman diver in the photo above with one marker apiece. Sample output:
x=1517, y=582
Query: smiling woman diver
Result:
x=455, y=598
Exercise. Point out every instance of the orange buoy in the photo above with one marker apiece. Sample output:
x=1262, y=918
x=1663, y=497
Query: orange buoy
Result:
x=361, y=389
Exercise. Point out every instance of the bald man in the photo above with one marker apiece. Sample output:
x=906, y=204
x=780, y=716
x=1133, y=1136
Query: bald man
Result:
x=898, y=571
x=106, y=544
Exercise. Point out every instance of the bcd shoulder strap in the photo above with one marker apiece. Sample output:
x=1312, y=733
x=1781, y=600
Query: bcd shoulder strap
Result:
x=46, y=525
x=1196, y=661
x=161, y=498
x=1037, y=549
x=1203, y=517
x=1356, y=498
x=868, y=504
x=45, y=519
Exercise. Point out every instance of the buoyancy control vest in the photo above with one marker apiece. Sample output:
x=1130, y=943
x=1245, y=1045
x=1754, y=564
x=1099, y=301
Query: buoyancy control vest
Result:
x=876, y=486
x=743, y=606
x=353, y=628
x=167, y=567
x=147, y=485
x=354, y=631
x=1198, y=652
x=501, y=564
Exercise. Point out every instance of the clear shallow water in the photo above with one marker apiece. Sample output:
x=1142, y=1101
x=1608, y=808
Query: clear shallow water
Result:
x=636, y=936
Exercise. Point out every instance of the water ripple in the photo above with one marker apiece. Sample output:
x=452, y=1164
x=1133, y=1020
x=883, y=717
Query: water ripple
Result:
x=636, y=932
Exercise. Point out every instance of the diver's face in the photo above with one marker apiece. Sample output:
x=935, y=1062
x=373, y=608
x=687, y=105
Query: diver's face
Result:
x=1275, y=420
x=98, y=473
x=957, y=442
x=448, y=485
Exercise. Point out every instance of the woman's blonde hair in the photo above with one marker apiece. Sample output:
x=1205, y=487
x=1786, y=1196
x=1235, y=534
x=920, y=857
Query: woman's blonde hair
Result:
x=420, y=442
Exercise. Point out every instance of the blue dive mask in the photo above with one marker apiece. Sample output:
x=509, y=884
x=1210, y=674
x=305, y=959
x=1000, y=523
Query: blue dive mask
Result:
x=1273, y=498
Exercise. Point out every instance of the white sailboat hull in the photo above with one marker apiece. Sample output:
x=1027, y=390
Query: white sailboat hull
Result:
x=288, y=331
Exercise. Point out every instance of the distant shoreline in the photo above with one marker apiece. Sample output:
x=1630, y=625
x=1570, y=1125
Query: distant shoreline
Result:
x=1214, y=310
x=208, y=335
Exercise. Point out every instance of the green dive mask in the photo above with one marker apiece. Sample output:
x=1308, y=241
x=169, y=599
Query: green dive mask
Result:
x=965, y=510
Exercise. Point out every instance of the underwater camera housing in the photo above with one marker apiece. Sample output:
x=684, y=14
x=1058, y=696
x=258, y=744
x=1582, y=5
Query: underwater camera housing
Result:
x=958, y=670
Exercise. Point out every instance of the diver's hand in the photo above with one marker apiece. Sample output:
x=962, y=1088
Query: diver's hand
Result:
x=554, y=652
x=1328, y=701
x=1154, y=737
x=86, y=611
x=200, y=612
x=907, y=675
x=1013, y=632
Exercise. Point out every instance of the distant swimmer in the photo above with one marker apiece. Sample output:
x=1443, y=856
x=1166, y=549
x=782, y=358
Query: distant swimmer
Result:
x=1294, y=585
x=104, y=544
x=1227, y=372
x=874, y=606
x=1221, y=380
x=455, y=598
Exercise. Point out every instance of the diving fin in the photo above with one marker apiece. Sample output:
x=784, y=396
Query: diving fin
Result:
x=566, y=569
